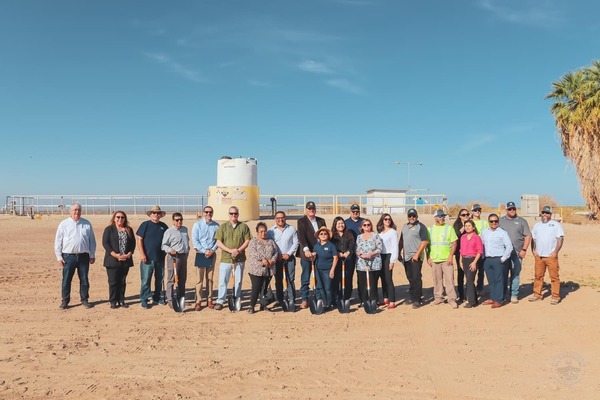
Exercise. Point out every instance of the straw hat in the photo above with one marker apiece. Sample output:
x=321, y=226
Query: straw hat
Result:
x=156, y=209
x=323, y=228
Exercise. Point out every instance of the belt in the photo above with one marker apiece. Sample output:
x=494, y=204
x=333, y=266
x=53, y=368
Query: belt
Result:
x=74, y=254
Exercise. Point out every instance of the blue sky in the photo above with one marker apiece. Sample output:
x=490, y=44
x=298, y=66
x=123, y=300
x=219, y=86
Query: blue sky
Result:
x=143, y=97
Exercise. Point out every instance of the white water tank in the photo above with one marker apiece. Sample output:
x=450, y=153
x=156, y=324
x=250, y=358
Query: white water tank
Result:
x=236, y=172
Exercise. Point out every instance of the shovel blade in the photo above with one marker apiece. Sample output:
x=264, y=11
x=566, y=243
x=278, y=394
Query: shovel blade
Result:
x=289, y=306
x=238, y=304
x=181, y=304
x=316, y=306
x=344, y=306
x=231, y=303
x=175, y=304
x=370, y=306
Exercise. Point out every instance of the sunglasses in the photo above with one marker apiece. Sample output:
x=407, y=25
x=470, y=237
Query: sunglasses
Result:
x=464, y=215
x=156, y=212
x=208, y=212
x=387, y=219
x=511, y=209
x=234, y=213
x=493, y=221
x=178, y=219
x=546, y=212
x=365, y=225
x=120, y=217
x=478, y=210
x=323, y=233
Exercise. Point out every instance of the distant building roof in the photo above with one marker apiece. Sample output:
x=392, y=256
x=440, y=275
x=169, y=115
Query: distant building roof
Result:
x=369, y=191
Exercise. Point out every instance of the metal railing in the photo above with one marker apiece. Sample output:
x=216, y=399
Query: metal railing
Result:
x=292, y=204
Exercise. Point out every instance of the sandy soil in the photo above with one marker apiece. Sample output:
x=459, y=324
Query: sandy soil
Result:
x=523, y=351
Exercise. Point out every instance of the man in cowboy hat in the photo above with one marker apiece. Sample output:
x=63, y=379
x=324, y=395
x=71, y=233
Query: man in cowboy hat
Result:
x=149, y=241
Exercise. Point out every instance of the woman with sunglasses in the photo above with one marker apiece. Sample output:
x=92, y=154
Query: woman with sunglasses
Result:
x=119, y=242
x=459, y=229
x=471, y=251
x=344, y=241
x=326, y=258
x=368, y=250
x=389, y=255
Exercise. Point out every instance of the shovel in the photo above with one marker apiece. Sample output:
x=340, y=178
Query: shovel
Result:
x=316, y=306
x=369, y=305
x=178, y=303
x=343, y=304
x=288, y=301
x=234, y=303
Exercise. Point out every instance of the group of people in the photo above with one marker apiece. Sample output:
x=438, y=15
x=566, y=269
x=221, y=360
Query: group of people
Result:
x=355, y=245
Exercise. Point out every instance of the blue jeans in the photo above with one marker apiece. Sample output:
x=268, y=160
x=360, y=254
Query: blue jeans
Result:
x=146, y=271
x=305, y=279
x=225, y=275
x=324, y=286
x=81, y=264
x=494, y=269
x=290, y=269
x=513, y=265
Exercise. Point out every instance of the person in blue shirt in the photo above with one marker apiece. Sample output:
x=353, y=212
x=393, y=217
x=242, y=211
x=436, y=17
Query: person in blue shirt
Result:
x=326, y=257
x=497, y=247
x=205, y=244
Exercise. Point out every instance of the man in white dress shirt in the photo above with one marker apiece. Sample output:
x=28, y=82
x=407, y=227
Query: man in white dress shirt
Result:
x=75, y=250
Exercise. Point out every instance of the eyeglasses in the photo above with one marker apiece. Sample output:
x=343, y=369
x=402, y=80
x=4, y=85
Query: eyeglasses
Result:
x=493, y=221
x=365, y=225
x=208, y=212
x=323, y=233
x=234, y=213
x=178, y=219
x=546, y=212
x=120, y=217
x=464, y=215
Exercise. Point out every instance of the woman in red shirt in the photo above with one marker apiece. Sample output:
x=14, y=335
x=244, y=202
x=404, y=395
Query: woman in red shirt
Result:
x=471, y=250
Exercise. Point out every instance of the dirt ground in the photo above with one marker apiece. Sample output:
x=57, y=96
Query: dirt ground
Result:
x=522, y=351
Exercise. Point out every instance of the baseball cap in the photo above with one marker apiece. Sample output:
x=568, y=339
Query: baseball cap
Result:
x=475, y=207
x=412, y=211
x=510, y=204
x=547, y=209
x=311, y=204
x=354, y=207
x=439, y=213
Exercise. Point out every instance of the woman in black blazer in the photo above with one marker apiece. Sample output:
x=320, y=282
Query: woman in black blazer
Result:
x=119, y=242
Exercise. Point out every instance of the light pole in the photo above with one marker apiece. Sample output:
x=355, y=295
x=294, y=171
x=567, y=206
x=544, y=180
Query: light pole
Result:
x=408, y=164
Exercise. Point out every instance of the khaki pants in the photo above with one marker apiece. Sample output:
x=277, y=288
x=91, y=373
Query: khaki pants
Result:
x=443, y=278
x=204, y=274
x=541, y=264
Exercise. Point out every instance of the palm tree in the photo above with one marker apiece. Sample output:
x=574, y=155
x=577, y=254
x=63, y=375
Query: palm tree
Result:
x=577, y=113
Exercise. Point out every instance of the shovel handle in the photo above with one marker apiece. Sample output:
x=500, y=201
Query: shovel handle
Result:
x=313, y=280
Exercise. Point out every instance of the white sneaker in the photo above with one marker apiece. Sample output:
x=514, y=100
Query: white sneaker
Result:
x=514, y=299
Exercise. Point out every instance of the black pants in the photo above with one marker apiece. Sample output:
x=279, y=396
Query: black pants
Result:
x=470, y=275
x=259, y=287
x=460, y=278
x=415, y=279
x=362, y=284
x=387, y=278
x=480, y=274
x=117, y=278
